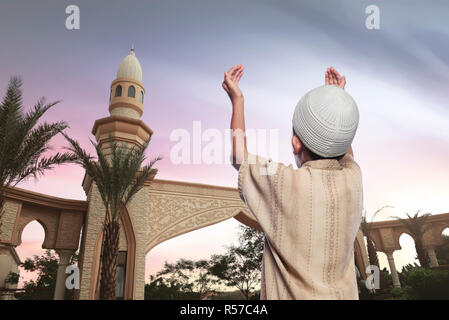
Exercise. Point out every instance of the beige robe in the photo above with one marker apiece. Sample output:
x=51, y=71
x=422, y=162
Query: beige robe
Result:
x=310, y=217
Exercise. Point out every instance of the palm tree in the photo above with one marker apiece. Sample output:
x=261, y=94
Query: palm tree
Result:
x=118, y=176
x=23, y=141
x=372, y=254
x=366, y=229
x=416, y=226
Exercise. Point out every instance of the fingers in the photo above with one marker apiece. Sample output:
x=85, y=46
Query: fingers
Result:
x=227, y=80
x=336, y=73
x=333, y=80
x=333, y=77
x=329, y=76
x=239, y=76
x=235, y=73
x=233, y=70
x=326, y=77
x=339, y=80
x=343, y=82
x=225, y=87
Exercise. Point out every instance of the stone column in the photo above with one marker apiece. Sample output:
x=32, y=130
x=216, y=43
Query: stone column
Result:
x=64, y=259
x=394, y=272
x=432, y=257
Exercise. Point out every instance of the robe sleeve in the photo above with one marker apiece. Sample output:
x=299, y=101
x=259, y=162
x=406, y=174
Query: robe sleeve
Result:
x=258, y=185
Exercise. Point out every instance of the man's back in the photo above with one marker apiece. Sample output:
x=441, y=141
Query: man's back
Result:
x=310, y=217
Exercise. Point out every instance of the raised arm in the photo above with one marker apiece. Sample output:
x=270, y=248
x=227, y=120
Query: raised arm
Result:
x=231, y=86
x=332, y=77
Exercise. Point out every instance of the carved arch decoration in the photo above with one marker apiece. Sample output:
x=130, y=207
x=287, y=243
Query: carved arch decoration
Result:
x=177, y=208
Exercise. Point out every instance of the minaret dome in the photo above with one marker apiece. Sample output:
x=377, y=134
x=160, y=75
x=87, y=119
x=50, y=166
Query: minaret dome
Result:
x=127, y=90
x=130, y=67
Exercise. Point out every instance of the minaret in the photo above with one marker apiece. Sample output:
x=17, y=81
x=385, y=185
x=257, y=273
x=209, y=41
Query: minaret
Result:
x=125, y=107
x=123, y=126
x=127, y=90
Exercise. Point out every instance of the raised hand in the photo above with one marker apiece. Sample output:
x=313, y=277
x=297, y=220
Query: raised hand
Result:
x=332, y=77
x=231, y=82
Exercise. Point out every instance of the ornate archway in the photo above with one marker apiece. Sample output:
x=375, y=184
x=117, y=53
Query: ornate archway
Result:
x=62, y=220
x=386, y=234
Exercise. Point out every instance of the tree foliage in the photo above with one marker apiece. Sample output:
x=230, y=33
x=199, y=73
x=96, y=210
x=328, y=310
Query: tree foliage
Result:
x=184, y=279
x=43, y=287
x=366, y=226
x=12, y=278
x=240, y=266
x=416, y=226
x=422, y=284
x=118, y=175
x=166, y=289
x=24, y=142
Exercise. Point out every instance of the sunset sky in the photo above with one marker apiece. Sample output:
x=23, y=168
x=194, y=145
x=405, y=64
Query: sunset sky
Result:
x=398, y=75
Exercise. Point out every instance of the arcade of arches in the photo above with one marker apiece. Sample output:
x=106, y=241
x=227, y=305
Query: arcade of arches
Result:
x=160, y=211
x=386, y=234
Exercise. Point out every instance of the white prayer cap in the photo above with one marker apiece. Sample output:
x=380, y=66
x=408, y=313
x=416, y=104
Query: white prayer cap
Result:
x=325, y=120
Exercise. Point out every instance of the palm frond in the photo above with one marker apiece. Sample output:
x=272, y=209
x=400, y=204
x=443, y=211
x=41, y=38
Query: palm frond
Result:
x=118, y=172
x=44, y=164
x=22, y=141
x=416, y=224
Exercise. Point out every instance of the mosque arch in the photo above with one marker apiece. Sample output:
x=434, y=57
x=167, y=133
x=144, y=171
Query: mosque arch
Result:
x=127, y=228
x=445, y=232
x=24, y=226
x=407, y=252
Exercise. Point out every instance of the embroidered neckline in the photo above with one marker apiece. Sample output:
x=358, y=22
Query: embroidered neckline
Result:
x=324, y=164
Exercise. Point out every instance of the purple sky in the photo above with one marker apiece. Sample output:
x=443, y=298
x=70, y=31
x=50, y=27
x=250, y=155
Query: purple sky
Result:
x=398, y=75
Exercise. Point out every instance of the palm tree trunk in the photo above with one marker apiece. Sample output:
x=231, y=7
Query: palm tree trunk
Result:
x=374, y=260
x=422, y=254
x=372, y=254
x=2, y=203
x=109, y=261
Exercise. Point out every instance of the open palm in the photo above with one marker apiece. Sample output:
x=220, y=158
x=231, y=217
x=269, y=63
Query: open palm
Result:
x=332, y=77
x=231, y=81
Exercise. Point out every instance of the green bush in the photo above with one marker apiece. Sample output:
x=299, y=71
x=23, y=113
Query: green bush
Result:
x=364, y=292
x=12, y=278
x=427, y=284
x=423, y=284
x=400, y=294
